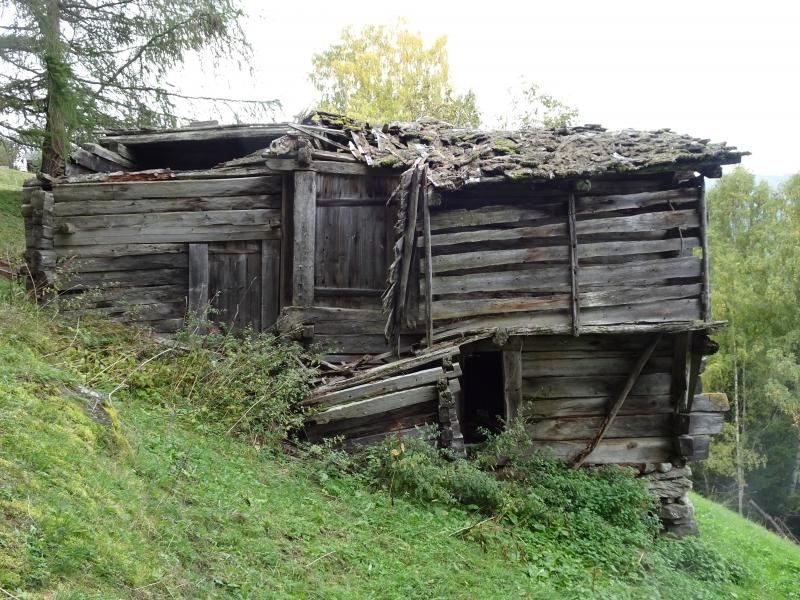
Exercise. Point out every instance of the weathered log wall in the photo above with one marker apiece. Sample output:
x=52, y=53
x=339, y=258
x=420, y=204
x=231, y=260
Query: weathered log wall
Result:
x=122, y=248
x=518, y=259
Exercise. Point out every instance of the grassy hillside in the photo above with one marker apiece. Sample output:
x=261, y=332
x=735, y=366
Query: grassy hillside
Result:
x=150, y=497
x=12, y=234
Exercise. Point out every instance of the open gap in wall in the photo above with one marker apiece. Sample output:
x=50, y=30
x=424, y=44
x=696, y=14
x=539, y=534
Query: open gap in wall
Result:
x=483, y=406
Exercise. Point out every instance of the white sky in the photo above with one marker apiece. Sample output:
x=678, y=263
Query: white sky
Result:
x=729, y=71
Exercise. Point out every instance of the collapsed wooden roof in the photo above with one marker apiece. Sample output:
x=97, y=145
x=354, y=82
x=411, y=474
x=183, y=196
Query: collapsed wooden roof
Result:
x=458, y=157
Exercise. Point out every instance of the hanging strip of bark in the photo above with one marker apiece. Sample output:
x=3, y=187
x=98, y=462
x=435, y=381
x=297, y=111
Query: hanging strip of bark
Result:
x=426, y=230
x=573, y=266
x=633, y=377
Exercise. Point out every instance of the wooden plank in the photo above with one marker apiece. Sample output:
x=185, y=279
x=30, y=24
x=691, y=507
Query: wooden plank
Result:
x=693, y=447
x=599, y=364
x=667, y=315
x=426, y=229
x=133, y=235
x=392, y=420
x=197, y=134
x=125, y=263
x=612, y=451
x=512, y=383
x=197, y=298
x=377, y=388
x=163, y=222
x=630, y=382
x=376, y=405
x=595, y=406
x=332, y=320
x=358, y=343
x=161, y=205
x=187, y=188
x=327, y=166
x=589, y=205
x=489, y=215
x=134, y=278
x=681, y=370
x=701, y=423
x=270, y=282
x=581, y=428
x=401, y=285
x=575, y=306
x=122, y=162
x=706, y=297
x=93, y=162
x=491, y=258
x=304, y=219
x=556, y=279
x=125, y=296
x=534, y=388
x=711, y=402
x=114, y=250
x=452, y=309
x=627, y=224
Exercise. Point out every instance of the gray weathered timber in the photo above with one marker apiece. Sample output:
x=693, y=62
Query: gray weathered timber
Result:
x=377, y=388
x=426, y=230
x=631, y=381
x=187, y=188
x=710, y=403
x=376, y=405
x=625, y=224
x=132, y=235
x=489, y=215
x=270, y=282
x=595, y=406
x=166, y=260
x=79, y=281
x=197, y=298
x=699, y=423
x=706, y=298
x=124, y=296
x=681, y=370
x=612, y=451
x=334, y=167
x=332, y=320
x=196, y=134
x=123, y=163
x=166, y=221
x=304, y=214
x=115, y=250
x=589, y=205
x=162, y=205
x=693, y=447
x=94, y=163
x=476, y=260
x=582, y=428
x=575, y=301
x=512, y=383
x=597, y=364
x=586, y=386
x=556, y=279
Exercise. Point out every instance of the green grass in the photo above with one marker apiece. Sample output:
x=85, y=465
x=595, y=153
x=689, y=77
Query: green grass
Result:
x=12, y=233
x=149, y=500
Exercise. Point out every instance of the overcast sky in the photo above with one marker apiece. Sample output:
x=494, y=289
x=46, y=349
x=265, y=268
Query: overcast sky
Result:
x=729, y=71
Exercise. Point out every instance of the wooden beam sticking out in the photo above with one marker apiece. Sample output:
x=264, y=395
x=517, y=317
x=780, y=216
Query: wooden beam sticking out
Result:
x=701, y=206
x=426, y=230
x=620, y=400
x=304, y=219
x=198, y=283
x=408, y=244
x=573, y=266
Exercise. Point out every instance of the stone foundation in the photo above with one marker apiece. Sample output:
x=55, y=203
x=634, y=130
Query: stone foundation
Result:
x=671, y=483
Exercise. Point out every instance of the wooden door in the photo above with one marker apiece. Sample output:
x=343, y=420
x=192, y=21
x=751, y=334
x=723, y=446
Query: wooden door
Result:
x=239, y=281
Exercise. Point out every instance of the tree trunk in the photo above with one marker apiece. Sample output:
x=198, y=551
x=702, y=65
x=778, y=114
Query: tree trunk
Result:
x=54, y=147
x=737, y=433
x=794, y=481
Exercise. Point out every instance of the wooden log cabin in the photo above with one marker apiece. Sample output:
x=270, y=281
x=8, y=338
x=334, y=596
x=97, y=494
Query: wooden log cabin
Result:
x=451, y=277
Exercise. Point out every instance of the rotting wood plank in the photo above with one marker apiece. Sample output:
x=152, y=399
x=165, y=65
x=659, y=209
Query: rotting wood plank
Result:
x=556, y=279
x=575, y=302
x=587, y=204
x=491, y=258
x=217, y=233
x=377, y=388
x=681, y=370
x=304, y=218
x=197, y=300
x=408, y=246
x=662, y=220
x=426, y=229
x=125, y=263
x=124, y=296
x=701, y=423
x=185, y=188
x=597, y=364
x=376, y=405
x=123, y=163
x=165, y=205
x=577, y=386
x=512, y=383
x=334, y=167
x=612, y=451
x=270, y=283
x=693, y=447
x=630, y=382
x=706, y=301
x=581, y=428
x=135, y=278
x=118, y=250
x=711, y=402
x=162, y=222
x=596, y=406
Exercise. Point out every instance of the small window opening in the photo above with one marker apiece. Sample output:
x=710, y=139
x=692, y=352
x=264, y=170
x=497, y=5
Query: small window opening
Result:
x=483, y=406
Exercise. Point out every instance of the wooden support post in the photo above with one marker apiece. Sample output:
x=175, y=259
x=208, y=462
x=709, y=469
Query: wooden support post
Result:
x=620, y=400
x=573, y=265
x=270, y=282
x=701, y=206
x=304, y=218
x=426, y=225
x=512, y=383
x=197, y=299
x=409, y=236
x=681, y=371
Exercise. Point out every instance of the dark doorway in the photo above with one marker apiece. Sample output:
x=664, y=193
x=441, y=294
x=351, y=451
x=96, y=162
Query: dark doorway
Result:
x=484, y=402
